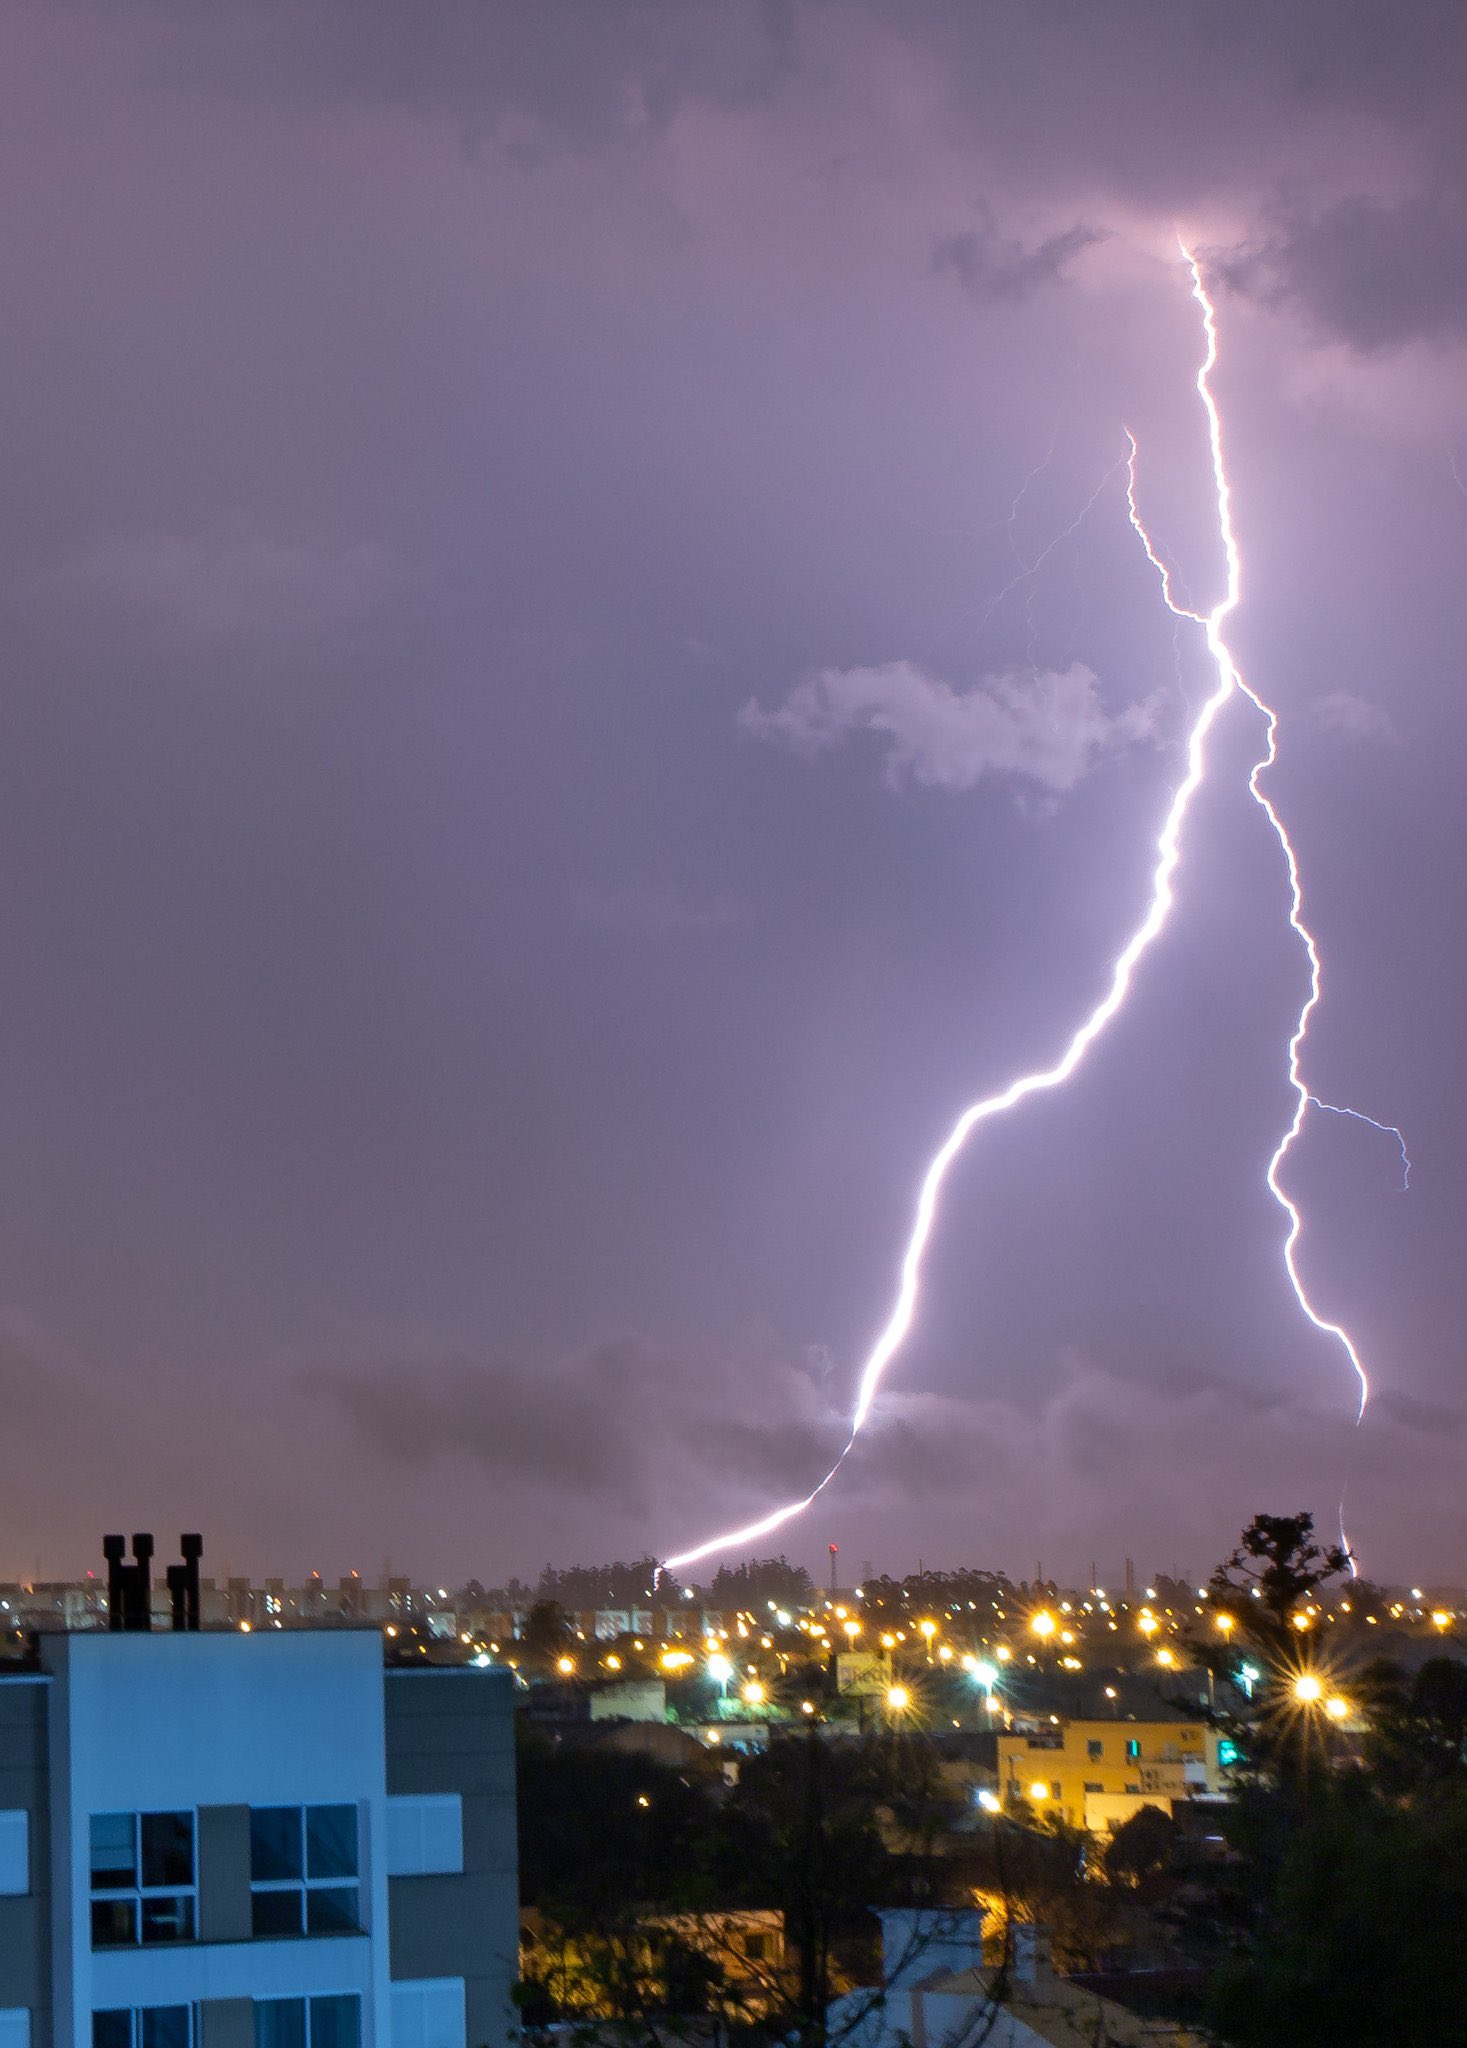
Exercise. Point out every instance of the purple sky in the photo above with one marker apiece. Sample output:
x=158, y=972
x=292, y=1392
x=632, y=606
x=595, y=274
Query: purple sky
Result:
x=535, y=782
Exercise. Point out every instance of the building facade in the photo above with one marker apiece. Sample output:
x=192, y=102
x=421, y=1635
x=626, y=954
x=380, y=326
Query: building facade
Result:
x=1096, y=1774
x=227, y=1840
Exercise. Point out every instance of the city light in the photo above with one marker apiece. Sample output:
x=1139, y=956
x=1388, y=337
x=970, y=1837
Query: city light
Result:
x=898, y=1699
x=752, y=1693
x=1308, y=1689
x=989, y=1801
x=565, y=1666
x=1038, y=1790
x=1336, y=1708
x=1043, y=1624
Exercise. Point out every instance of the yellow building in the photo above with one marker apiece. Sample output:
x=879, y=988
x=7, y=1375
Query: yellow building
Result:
x=1096, y=1774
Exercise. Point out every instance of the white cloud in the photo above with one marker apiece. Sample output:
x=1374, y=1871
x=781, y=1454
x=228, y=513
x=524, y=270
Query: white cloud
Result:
x=1353, y=718
x=1050, y=728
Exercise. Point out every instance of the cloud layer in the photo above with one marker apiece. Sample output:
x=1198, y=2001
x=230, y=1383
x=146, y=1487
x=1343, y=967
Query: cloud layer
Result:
x=1050, y=729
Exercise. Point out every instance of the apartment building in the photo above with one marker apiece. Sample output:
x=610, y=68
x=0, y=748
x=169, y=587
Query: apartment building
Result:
x=253, y=1840
x=1095, y=1774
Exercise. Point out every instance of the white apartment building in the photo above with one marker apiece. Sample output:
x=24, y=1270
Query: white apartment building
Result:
x=226, y=1840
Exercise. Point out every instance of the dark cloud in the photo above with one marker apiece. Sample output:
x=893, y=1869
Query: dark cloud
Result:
x=620, y=1425
x=995, y=269
x=1372, y=272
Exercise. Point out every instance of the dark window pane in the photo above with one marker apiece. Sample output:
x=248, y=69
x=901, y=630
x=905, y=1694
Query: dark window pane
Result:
x=280, y=2023
x=275, y=1842
x=336, y=2023
x=112, y=2030
x=331, y=1841
x=168, y=1848
x=168, y=1919
x=114, y=1850
x=276, y=1913
x=165, y=2026
x=330, y=1910
x=114, y=1923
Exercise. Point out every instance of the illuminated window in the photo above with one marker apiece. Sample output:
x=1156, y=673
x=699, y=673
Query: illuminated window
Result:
x=303, y=1869
x=1133, y=1750
x=142, y=1880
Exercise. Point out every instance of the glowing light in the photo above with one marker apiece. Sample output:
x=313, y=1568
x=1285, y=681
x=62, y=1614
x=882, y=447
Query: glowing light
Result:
x=720, y=1670
x=1039, y=1790
x=1308, y=1689
x=1043, y=1624
x=985, y=1674
x=565, y=1666
x=898, y=1698
x=1226, y=1623
x=753, y=1693
x=1160, y=904
x=989, y=1801
x=1336, y=1708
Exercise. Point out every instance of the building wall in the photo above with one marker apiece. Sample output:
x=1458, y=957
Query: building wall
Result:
x=25, y=1932
x=1173, y=1760
x=452, y=1731
x=161, y=1722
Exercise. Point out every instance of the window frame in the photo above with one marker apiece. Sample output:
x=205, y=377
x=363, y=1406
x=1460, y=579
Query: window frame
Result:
x=303, y=1886
x=305, y=2000
x=135, y=2015
x=139, y=1895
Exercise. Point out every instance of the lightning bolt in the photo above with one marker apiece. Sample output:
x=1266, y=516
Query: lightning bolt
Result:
x=1230, y=682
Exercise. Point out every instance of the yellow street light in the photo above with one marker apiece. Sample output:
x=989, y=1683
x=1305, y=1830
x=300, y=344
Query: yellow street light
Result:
x=1039, y=1790
x=1043, y=1624
x=565, y=1666
x=1336, y=1708
x=898, y=1699
x=1308, y=1689
x=752, y=1693
x=1148, y=1624
x=1226, y=1623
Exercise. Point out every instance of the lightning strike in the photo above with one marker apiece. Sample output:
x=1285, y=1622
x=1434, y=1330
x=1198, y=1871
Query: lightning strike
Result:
x=1230, y=680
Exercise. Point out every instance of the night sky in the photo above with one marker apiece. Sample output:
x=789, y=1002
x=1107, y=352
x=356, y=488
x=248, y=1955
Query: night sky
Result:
x=561, y=718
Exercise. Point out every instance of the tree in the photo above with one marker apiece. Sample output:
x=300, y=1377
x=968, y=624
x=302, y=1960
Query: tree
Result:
x=1271, y=1576
x=547, y=1634
x=1417, y=1739
x=1359, y=1943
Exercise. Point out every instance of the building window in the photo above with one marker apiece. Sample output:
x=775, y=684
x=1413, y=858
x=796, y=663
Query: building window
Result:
x=142, y=1879
x=1097, y=1787
x=1133, y=1749
x=303, y=1869
x=334, y=2022
x=1095, y=1750
x=144, y=2026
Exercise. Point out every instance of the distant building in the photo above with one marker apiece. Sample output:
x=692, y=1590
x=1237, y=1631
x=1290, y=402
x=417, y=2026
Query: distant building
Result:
x=253, y=1840
x=1096, y=1774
